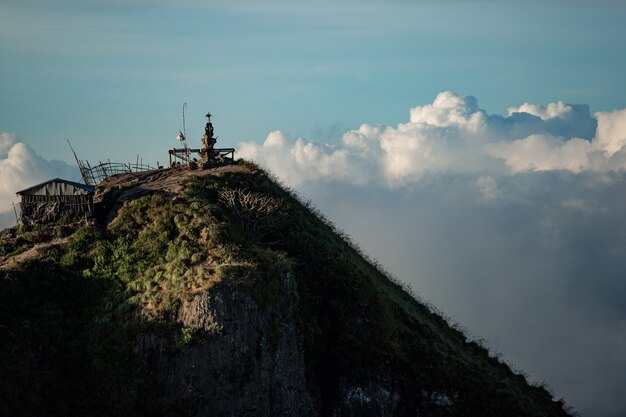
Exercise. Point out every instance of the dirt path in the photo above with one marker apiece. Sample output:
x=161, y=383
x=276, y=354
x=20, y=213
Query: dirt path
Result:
x=168, y=181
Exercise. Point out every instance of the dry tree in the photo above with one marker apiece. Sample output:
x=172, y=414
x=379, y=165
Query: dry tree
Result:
x=259, y=215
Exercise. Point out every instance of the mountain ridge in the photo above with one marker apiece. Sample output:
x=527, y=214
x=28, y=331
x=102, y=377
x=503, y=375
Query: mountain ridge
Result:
x=218, y=292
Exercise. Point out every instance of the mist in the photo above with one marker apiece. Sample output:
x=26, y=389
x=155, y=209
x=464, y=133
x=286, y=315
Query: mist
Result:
x=538, y=274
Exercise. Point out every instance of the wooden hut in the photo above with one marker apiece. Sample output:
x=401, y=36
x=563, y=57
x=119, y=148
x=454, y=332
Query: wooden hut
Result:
x=47, y=201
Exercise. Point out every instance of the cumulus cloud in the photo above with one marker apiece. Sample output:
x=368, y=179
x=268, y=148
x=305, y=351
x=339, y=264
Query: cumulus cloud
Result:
x=563, y=120
x=301, y=160
x=543, y=153
x=605, y=152
x=454, y=135
x=21, y=167
x=438, y=137
x=511, y=224
x=611, y=135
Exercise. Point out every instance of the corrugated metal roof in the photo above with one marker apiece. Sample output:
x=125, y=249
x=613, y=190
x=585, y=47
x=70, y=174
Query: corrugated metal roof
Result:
x=58, y=186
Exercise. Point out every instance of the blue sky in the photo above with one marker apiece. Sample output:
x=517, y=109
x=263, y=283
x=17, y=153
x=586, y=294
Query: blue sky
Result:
x=476, y=149
x=117, y=74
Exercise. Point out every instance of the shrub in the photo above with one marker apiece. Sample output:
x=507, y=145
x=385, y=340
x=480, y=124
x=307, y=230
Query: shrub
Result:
x=257, y=214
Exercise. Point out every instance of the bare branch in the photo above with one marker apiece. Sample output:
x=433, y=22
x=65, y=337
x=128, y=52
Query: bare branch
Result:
x=258, y=214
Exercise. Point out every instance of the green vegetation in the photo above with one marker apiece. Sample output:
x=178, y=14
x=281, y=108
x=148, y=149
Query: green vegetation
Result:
x=70, y=317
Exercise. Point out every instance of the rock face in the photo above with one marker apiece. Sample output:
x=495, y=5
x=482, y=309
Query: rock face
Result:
x=373, y=397
x=251, y=363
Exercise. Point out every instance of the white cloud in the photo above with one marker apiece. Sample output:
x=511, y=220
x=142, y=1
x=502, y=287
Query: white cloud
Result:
x=548, y=112
x=606, y=152
x=449, y=109
x=560, y=119
x=443, y=136
x=301, y=161
x=543, y=153
x=454, y=135
x=21, y=167
x=611, y=134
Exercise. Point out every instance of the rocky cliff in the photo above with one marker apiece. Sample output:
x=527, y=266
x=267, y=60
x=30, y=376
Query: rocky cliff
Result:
x=247, y=361
x=219, y=293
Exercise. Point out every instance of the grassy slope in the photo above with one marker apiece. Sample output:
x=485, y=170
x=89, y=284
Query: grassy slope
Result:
x=74, y=307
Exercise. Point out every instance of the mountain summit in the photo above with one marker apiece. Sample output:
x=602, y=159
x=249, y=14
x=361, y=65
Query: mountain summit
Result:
x=219, y=293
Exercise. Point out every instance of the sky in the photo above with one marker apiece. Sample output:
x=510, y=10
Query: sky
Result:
x=474, y=148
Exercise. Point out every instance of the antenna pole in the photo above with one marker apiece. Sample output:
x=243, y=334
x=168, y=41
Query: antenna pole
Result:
x=184, y=131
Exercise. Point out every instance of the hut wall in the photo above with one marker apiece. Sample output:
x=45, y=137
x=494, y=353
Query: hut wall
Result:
x=42, y=208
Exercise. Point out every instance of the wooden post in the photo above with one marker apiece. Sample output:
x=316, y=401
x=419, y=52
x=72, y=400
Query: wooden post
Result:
x=15, y=211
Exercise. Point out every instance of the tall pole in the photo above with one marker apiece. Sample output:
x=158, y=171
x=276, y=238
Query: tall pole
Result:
x=185, y=135
x=184, y=131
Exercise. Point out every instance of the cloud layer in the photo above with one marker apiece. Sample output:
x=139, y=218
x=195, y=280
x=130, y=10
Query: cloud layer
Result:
x=21, y=167
x=511, y=224
x=454, y=135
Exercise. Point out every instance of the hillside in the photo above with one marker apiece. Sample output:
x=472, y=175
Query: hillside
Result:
x=219, y=293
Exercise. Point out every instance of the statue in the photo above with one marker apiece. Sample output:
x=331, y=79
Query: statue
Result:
x=208, y=140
